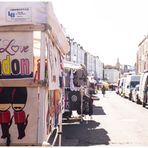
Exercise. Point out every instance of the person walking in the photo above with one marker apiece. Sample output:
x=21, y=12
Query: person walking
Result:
x=103, y=90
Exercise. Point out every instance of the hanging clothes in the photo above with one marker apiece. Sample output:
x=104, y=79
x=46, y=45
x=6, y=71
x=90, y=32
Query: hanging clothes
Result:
x=67, y=78
x=72, y=87
x=74, y=100
x=80, y=77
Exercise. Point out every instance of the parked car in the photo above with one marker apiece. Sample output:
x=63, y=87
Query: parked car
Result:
x=131, y=82
x=135, y=95
x=143, y=89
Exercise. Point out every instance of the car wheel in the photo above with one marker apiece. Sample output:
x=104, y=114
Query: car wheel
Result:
x=143, y=104
x=138, y=100
x=123, y=95
x=132, y=99
x=144, y=101
x=130, y=96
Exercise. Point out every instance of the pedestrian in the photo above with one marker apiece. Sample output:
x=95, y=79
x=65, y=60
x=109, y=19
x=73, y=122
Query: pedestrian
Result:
x=103, y=90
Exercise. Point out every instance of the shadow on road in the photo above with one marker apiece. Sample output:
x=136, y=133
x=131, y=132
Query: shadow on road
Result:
x=86, y=133
x=98, y=110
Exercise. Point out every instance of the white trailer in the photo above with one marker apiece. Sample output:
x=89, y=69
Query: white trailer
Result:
x=32, y=47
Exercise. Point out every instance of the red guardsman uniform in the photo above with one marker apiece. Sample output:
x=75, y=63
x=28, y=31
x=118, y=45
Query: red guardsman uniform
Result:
x=19, y=96
x=19, y=117
x=5, y=117
x=5, y=122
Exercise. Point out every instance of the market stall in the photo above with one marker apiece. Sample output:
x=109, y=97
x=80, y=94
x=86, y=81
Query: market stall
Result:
x=32, y=48
x=77, y=97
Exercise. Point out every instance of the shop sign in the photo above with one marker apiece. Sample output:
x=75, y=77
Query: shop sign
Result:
x=19, y=14
x=16, y=55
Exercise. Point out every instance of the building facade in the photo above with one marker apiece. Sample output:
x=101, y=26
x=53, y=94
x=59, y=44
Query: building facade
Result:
x=142, y=56
x=80, y=56
x=111, y=75
x=98, y=68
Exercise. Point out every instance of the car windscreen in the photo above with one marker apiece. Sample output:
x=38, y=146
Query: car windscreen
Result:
x=134, y=83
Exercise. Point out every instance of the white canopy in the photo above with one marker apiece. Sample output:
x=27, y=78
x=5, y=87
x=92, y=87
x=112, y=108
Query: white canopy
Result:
x=71, y=65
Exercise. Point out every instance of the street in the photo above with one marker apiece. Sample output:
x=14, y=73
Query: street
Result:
x=115, y=121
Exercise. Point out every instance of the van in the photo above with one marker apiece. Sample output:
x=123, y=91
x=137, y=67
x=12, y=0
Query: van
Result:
x=143, y=89
x=117, y=88
x=131, y=82
x=121, y=85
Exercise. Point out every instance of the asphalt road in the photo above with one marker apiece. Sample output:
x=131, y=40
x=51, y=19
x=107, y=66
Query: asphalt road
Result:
x=115, y=121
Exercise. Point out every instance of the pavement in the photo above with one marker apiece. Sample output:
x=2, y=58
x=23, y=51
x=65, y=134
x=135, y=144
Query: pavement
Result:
x=86, y=132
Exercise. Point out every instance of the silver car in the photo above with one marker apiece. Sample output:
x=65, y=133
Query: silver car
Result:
x=135, y=95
